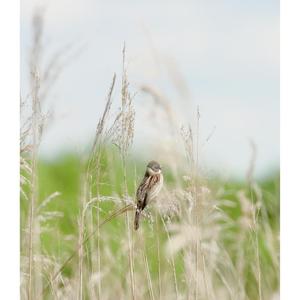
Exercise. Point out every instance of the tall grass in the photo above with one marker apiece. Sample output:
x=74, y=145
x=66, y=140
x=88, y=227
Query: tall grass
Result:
x=203, y=238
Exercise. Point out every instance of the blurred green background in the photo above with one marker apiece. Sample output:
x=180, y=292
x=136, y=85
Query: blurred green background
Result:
x=59, y=217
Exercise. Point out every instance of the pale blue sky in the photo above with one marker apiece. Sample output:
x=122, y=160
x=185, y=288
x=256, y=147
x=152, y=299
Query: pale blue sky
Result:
x=226, y=51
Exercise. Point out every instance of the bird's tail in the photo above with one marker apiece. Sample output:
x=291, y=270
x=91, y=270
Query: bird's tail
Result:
x=137, y=219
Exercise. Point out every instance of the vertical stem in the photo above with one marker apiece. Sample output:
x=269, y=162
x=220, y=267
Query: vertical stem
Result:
x=258, y=267
x=197, y=269
x=31, y=231
x=80, y=238
x=99, y=255
x=197, y=207
x=80, y=256
x=256, y=243
x=158, y=256
x=173, y=262
x=98, y=179
x=204, y=276
x=34, y=188
x=124, y=148
x=148, y=275
x=130, y=257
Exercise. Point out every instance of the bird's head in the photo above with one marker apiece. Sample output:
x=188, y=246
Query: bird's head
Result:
x=153, y=168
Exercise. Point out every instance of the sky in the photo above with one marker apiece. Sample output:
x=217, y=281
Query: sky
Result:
x=220, y=56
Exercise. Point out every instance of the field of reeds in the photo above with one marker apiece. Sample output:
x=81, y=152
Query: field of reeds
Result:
x=204, y=238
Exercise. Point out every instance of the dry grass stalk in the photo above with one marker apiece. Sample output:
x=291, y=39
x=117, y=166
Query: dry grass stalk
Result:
x=123, y=122
x=123, y=141
x=36, y=127
x=194, y=229
x=115, y=214
x=33, y=122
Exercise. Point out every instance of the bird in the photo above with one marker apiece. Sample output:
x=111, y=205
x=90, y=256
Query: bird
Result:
x=148, y=189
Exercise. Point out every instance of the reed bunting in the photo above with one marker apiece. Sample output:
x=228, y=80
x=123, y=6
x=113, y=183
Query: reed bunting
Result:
x=148, y=189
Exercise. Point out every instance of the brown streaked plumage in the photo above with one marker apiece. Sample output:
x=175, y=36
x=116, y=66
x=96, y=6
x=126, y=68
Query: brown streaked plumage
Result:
x=148, y=189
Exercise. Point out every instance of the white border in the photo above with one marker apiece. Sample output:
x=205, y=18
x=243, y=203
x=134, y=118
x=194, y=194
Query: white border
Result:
x=9, y=149
x=290, y=149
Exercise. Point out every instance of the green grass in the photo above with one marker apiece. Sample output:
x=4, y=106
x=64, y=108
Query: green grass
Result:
x=58, y=238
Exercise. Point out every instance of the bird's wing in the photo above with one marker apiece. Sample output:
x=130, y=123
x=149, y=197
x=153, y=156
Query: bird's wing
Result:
x=141, y=193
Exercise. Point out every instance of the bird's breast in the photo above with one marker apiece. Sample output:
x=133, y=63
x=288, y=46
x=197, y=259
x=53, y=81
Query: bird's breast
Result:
x=156, y=183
